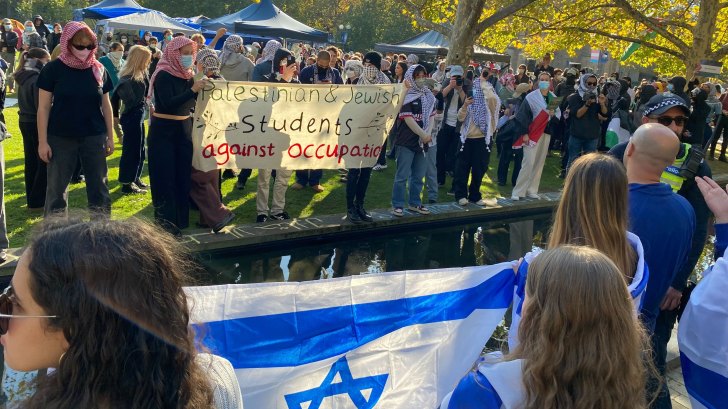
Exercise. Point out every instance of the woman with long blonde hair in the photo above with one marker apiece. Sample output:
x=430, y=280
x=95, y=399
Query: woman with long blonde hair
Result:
x=132, y=90
x=581, y=345
x=593, y=212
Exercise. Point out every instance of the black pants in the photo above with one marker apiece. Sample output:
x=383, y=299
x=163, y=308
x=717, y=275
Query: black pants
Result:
x=720, y=128
x=357, y=182
x=244, y=175
x=36, y=174
x=170, y=169
x=660, y=338
x=472, y=160
x=506, y=153
x=447, y=151
x=132, y=151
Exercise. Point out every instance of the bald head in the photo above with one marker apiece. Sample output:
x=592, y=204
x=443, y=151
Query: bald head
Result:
x=652, y=148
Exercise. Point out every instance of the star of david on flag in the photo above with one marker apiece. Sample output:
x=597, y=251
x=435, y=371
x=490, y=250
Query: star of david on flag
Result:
x=394, y=340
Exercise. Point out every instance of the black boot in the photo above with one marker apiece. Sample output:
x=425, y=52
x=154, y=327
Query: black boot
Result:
x=353, y=215
x=363, y=214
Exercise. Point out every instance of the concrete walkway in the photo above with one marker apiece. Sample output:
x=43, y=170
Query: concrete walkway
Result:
x=678, y=394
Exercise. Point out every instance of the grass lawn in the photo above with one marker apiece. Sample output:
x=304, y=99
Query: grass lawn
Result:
x=301, y=203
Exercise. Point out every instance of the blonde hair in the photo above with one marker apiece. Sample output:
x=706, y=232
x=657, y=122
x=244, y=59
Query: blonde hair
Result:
x=582, y=344
x=593, y=210
x=137, y=63
x=196, y=36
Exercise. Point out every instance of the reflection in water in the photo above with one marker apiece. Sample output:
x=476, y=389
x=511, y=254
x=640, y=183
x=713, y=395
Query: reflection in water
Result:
x=457, y=246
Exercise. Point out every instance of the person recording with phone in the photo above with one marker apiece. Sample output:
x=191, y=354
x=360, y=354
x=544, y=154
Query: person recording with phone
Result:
x=454, y=93
x=584, y=107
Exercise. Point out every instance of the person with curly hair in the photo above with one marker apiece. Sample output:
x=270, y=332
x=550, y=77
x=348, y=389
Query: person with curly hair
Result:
x=102, y=302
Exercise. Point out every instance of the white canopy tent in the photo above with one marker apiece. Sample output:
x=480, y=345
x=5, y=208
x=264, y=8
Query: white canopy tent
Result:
x=147, y=21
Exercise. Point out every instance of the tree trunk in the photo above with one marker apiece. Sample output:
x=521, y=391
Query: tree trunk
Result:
x=464, y=32
x=702, y=35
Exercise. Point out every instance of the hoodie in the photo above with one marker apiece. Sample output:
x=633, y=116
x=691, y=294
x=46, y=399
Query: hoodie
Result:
x=679, y=84
x=237, y=67
x=26, y=80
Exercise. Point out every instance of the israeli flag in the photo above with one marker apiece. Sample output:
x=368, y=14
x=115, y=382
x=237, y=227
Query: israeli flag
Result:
x=703, y=340
x=394, y=340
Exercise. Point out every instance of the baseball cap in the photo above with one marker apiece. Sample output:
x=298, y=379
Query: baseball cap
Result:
x=661, y=103
x=456, y=70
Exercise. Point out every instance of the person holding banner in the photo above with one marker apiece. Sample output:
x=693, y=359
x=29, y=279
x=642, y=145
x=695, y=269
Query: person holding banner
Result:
x=357, y=179
x=80, y=302
x=173, y=93
x=412, y=137
x=575, y=296
x=287, y=68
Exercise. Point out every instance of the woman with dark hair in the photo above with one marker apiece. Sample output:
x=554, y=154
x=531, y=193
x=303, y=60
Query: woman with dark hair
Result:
x=55, y=37
x=173, y=93
x=575, y=296
x=399, y=70
x=31, y=62
x=75, y=120
x=80, y=302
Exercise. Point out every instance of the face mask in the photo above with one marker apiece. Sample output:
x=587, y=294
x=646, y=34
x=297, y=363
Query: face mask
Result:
x=80, y=54
x=370, y=72
x=591, y=87
x=670, y=87
x=421, y=82
x=117, y=54
x=544, y=85
x=123, y=40
x=28, y=29
x=147, y=37
x=168, y=38
x=186, y=61
x=8, y=27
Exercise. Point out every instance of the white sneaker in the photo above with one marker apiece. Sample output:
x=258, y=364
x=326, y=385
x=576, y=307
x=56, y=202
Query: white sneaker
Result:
x=515, y=198
x=463, y=202
x=379, y=167
x=487, y=202
x=533, y=196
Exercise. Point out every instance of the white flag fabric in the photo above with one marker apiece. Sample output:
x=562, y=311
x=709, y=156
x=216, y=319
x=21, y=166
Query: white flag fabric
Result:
x=394, y=340
x=703, y=340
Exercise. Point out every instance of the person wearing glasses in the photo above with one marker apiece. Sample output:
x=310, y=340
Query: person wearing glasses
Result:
x=79, y=302
x=75, y=120
x=671, y=111
x=585, y=126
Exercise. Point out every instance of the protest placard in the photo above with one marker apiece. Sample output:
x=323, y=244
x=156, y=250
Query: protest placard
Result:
x=292, y=126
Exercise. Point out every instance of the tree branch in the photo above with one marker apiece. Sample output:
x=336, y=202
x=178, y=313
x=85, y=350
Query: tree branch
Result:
x=723, y=5
x=637, y=15
x=719, y=53
x=501, y=14
x=648, y=44
x=416, y=12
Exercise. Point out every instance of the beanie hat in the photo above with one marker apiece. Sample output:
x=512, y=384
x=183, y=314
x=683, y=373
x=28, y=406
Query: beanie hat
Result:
x=374, y=58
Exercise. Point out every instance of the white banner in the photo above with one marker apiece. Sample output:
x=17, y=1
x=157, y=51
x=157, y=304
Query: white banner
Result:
x=395, y=340
x=292, y=126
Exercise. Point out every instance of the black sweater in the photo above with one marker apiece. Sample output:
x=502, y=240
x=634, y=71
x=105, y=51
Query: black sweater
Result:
x=173, y=95
x=129, y=91
x=27, y=94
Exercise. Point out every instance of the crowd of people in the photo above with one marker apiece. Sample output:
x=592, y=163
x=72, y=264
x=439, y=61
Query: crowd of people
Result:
x=628, y=232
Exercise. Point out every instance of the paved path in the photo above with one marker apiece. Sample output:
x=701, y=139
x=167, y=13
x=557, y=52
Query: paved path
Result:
x=678, y=394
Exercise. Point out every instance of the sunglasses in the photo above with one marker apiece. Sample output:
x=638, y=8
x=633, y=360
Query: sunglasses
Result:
x=7, y=299
x=84, y=47
x=667, y=120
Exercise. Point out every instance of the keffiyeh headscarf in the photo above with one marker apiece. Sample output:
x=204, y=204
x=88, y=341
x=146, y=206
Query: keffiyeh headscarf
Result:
x=233, y=45
x=170, y=61
x=204, y=53
x=508, y=80
x=269, y=51
x=71, y=60
x=210, y=63
x=354, y=67
x=478, y=112
x=713, y=93
x=612, y=88
x=413, y=59
x=582, y=83
x=423, y=93
x=372, y=75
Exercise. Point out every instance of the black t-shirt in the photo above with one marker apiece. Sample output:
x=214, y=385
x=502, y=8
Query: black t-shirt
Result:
x=588, y=126
x=173, y=95
x=405, y=136
x=76, y=109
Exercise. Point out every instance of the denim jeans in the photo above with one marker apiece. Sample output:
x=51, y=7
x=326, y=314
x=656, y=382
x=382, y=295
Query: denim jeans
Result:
x=411, y=167
x=309, y=177
x=431, y=185
x=578, y=145
x=67, y=151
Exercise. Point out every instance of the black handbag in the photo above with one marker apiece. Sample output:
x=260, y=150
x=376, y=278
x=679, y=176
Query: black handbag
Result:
x=508, y=132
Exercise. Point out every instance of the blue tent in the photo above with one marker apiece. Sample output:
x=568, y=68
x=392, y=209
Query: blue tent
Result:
x=108, y=9
x=266, y=20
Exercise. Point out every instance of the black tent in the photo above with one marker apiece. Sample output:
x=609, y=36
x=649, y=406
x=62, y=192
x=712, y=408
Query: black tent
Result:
x=433, y=43
x=264, y=19
x=109, y=9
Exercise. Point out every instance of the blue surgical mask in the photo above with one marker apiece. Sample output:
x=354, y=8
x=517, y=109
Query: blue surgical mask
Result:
x=544, y=85
x=8, y=27
x=186, y=60
x=28, y=29
x=670, y=87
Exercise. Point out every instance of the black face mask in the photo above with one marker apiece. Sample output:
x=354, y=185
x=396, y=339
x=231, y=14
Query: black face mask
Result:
x=322, y=68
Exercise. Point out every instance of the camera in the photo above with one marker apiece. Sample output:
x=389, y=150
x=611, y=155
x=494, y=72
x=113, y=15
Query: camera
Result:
x=589, y=95
x=458, y=81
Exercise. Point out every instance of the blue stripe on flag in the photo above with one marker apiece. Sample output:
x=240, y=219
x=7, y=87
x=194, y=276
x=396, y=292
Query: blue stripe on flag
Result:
x=705, y=386
x=297, y=338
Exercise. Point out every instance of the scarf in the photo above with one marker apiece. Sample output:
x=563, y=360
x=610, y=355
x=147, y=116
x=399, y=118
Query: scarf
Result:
x=423, y=93
x=233, y=45
x=114, y=60
x=508, y=80
x=71, y=60
x=713, y=94
x=210, y=63
x=269, y=51
x=328, y=77
x=582, y=83
x=170, y=61
x=353, y=67
x=204, y=53
x=478, y=113
x=372, y=75
x=613, y=89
